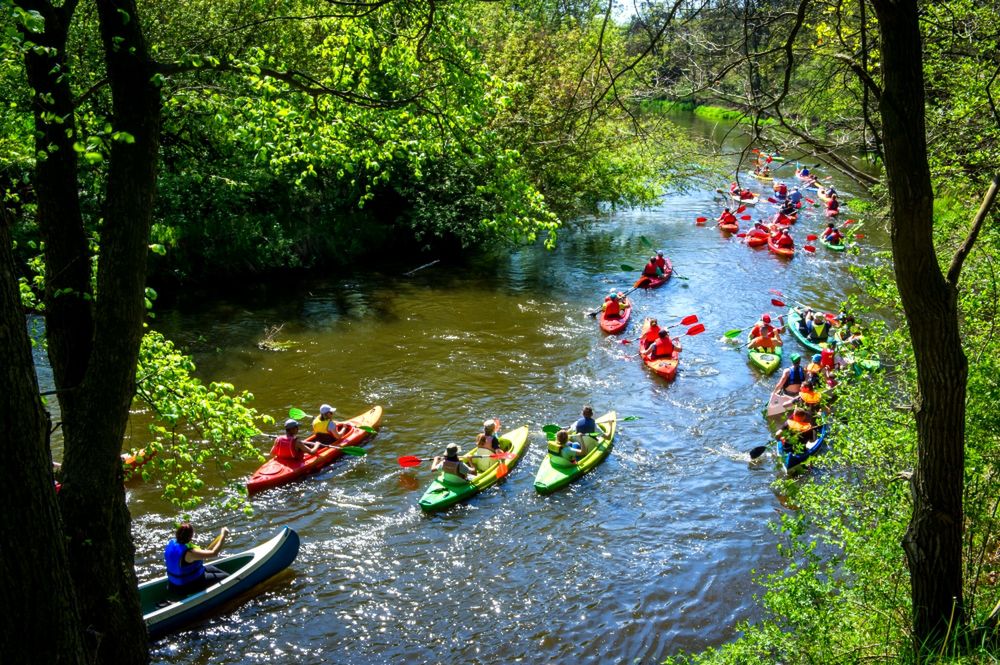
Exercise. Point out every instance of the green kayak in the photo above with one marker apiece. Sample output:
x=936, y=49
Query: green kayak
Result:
x=762, y=360
x=793, y=324
x=556, y=471
x=853, y=358
x=839, y=247
x=447, y=491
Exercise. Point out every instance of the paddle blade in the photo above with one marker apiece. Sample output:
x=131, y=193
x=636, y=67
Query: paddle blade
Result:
x=812, y=236
x=645, y=241
x=407, y=461
x=746, y=218
x=700, y=220
x=696, y=330
x=810, y=201
x=689, y=319
x=641, y=283
x=771, y=199
x=740, y=209
x=777, y=303
x=741, y=235
x=627, y=268
x=502, y=470
x=297, y=414
x=366, y=428
x=503, y=455
x=625, y=341
x=757, y=452
x=732, y=334
x=628, y=419
x=551, y=429
x=810, y=249
x=859, y=236
x=776, y=292
x=849, y=222
x=356, y=451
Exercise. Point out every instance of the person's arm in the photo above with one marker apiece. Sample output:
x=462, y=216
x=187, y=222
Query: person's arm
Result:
x=437, y=463
x=198, y=554
x=307, y=447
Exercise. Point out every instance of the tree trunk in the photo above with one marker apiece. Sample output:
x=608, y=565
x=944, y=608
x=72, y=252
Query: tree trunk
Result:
x=933, y=540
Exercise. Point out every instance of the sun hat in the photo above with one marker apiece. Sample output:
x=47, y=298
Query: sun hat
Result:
x=325, y=409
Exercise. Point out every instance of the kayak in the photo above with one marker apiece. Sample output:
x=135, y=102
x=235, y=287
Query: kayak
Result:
x=858, y=362
x=793, y=324
x=615, y=326
x=657, y=282
x=762, y=177
x=555, y=471
x=444, y=492
x=758, y=239
x=793, y=462
x=786, y=220
x=749, y=202
x=831, y=213
x=838, y=247
x=821, y=195
x=785, y=252
x=765, y=361
x=730, y=228
x=662, y=366
x=277, y=472
x=165, y=610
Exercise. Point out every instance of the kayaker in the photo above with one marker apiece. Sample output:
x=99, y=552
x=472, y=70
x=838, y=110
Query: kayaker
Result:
x=612, y=306
x=790, y=382
x=651, y=269
x=451, y=464
x=795, y=196
x=727, y=217
x=325, y=428
x=186, y=572
x=784, y=240
x=763, y=335
x=832, y=234
x=489, y=432
x=781, y=190
x=586, y=428
x=828, y=359
x=571, y=451
x=798, y=428
x=804, y=171
x=833, y=204
x=818, y=329
x=481, y=458
x=663, y=347
x=810, y=394
x=661, y=262
x=746, y=195
x=288, y=447
x=649, y=337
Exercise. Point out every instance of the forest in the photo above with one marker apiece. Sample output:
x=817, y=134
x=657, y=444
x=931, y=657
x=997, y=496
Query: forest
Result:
x=150, y=146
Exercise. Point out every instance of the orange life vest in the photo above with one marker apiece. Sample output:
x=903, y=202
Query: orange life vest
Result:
x=284, y=449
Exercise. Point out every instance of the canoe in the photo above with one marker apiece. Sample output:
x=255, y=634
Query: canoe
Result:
x=750, y=202
x=277, y=472
x=793, y=462
x=556, y=472
x=765, y=361
x=784, y=252
x=444, y=492
x=615, y=326
x=657, y=282
x=839, y=247
x=165, y=610
x=663, y=367
x=730, y=228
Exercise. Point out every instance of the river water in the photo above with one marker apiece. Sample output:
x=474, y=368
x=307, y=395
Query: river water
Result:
x=649, y=555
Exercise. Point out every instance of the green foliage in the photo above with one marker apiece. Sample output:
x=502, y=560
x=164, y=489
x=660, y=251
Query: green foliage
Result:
x=194, y=427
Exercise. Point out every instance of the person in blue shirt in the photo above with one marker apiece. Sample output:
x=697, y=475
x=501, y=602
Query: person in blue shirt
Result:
x=186, y=571
x=586, y=429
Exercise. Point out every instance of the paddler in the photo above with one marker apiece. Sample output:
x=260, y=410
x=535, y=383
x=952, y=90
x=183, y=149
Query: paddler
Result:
x=586, y=429
x=571, y=451
x=661, y=262
x=450, y=463
x=763, y=335
x=325, y=428
x=288, y=447
x=746, y=195
x=652, y=270
x=613, y=304
x=186, y=571
x=790, y=382
x=804, y=172
x=489, y=432
x=832, y=204
x=651, y=334
x=818, y=328
x=781, y=190
x=482, y=457
x=663, y=347
x=784, y=240
x=799, y=427
x=795, y=196
x=727, y=217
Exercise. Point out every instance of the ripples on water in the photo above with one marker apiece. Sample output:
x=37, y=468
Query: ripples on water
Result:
x=649, y=555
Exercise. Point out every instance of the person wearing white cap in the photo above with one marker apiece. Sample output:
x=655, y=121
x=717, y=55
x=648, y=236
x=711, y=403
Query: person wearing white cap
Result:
x=288, y=448
x=325, y=428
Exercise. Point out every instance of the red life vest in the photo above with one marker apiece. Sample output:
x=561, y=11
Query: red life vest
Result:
x=612, y=307
x=785, y=240
x=284, y=449
x=650, y=270
x=661, y=263
x=782, y=189
x=826, y=358
x=664, y=347
x=762, y=330
x=833, y=204
x=728, y=218
x=651, y=335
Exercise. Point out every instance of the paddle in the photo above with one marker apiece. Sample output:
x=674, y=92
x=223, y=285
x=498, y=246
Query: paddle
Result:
x=812, y=236
x=627, y=268
x=639, y=283
x=700, y=220
x=757, y=451
x=746, y=218
x=809, y=248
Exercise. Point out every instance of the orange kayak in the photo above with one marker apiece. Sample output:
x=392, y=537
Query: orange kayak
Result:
x=787, y=252
x=663, y=366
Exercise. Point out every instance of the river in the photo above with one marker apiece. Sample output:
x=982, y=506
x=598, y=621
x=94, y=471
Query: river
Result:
x=649, y=555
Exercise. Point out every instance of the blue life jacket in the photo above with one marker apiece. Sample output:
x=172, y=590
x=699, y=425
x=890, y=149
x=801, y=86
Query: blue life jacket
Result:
x=586, y=426
x=180, y=573
x=796, y=375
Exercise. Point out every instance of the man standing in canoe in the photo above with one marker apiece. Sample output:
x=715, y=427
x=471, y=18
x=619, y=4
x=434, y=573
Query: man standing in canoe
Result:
x=792, y=378
x=288, y=448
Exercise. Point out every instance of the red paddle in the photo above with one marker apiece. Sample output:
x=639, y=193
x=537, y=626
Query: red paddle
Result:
x=812, y=236
x=695, y=330
x=700, y=220
x=850, y=221
x=741, y=209
x=777, y=303
x=771, y=199
x=859, y=236
x=407, y=461
x=746, y=217
x=741, y=235
x=809, y=248
x=810, y=201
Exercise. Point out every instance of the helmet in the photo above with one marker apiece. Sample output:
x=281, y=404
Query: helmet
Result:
x=796, y=357
x=291, y=424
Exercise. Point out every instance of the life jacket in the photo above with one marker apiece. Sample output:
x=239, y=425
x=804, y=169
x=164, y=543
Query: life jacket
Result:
x=785, y=240
x=650, y=270
x=664, y=347
x=819, y=330
x=804, y=172
x=746, y=194
x=733, y=188
x=795, y=376
x=321, y=430
x=762, y=330
x=810, y=396
x=651, y=335
x=782, y=190
x=494, y=442
x=832, y=204
x=612, y=307
x=797, y=424
x=813, y=368
x=455, y=467
x=826, y=358
x=179, y=573
x=284, y=448
x=728, y=218
x=795, y=197
x=661, y=263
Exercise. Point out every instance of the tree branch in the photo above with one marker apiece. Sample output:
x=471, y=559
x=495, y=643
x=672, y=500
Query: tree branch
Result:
x=955, y=269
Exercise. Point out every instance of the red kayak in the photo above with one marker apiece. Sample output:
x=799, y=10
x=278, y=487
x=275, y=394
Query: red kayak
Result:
x=756, y=238
x=832, y=213
x=657, y=282
x=614, y=326
x=276, y=472
x=663, y=366
x=787, y=252
x=729, y=228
